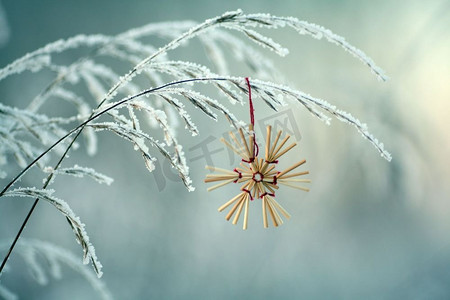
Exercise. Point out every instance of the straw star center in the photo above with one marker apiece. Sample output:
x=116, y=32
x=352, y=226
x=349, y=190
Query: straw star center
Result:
x=259, y=176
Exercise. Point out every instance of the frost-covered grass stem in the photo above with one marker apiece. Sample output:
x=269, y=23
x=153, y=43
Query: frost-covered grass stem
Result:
x=78, y=131
x=104, y=84
x=95, y=116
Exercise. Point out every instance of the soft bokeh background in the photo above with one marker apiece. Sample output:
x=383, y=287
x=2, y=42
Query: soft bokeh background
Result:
x=368, y=229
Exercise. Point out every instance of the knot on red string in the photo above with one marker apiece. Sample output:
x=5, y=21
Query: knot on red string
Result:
x=275, y=178
x=274, y=181
x=251, y=159
x=272, y=162
x=249, y=193
x=239, y=174
x=267, y=194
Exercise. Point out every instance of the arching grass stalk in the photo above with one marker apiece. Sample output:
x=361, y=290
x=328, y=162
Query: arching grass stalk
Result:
x=77, y=130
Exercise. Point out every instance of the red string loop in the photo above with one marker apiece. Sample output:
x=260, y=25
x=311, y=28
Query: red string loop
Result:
x=255, y=145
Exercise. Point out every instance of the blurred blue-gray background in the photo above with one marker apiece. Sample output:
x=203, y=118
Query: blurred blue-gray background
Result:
x=368, y=229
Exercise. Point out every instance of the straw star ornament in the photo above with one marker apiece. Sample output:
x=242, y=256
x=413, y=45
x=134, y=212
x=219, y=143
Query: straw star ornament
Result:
x=259, y=176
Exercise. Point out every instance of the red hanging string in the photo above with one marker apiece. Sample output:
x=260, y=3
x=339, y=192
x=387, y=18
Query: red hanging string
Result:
x=252, y=117
x=252, y=120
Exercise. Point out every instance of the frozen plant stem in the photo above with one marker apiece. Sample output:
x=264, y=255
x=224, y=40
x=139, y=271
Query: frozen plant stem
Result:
x=30, y=212
x=104, y=84
x=78, y=131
